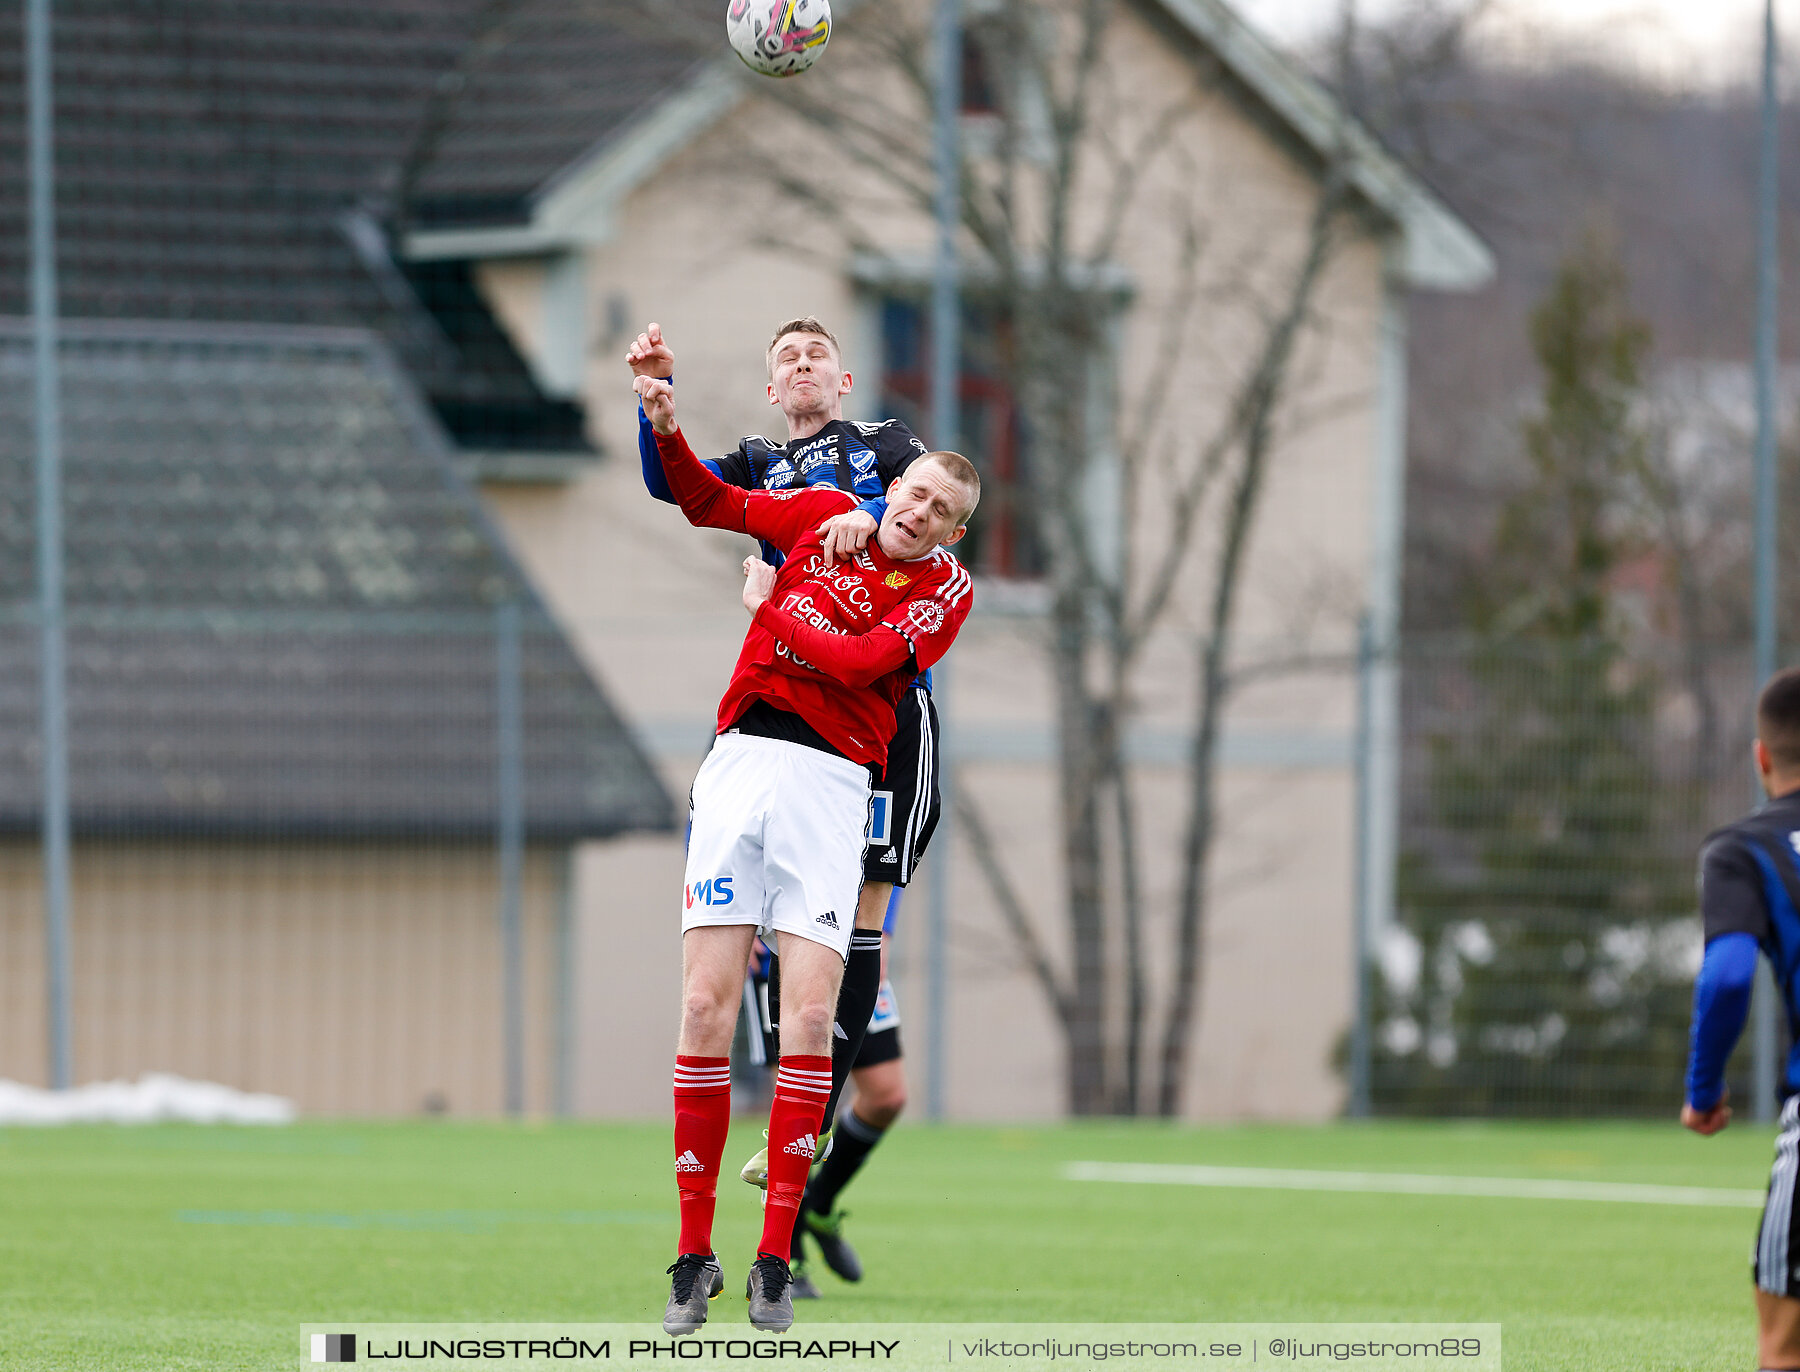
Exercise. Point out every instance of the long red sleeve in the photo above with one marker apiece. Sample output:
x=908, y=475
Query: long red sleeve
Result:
x=854, y=659
x=704, y=499
x=777, y=517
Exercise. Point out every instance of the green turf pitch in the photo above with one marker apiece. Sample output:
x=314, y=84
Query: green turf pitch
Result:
x=208, y=1247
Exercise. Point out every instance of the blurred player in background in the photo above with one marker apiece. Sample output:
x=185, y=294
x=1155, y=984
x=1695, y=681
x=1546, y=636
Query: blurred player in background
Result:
x=879, y=1075
x=1750, y=900
x=780, y=811
x=808, y=383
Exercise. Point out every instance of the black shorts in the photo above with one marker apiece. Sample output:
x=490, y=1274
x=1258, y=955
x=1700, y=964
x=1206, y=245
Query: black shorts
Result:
x=878, y=1046
x=762, y=993
x=906, y=794
x=882, y=1041
x=1775, y=1261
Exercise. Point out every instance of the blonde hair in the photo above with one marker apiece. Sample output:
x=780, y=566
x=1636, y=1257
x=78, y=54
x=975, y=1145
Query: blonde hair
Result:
x=960, y=470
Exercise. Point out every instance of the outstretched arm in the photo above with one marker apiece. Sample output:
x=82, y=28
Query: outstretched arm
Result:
x=651, y=460
x=648, y=355
x=704, y=499
x=1735, y=916
x=777, y=518
x=854, y=659
x=651, y=356
x=1721, y=1004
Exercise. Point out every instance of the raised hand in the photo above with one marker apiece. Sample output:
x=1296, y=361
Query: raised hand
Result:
x=650, y=356
x=658, y=399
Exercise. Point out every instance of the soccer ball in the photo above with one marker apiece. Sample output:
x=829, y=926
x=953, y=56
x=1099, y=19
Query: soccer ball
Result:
x=778, y=37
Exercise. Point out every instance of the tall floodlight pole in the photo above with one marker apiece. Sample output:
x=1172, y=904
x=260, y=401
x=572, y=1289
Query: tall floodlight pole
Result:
x=1767, y=283
x=52, y=706
x=945, y=426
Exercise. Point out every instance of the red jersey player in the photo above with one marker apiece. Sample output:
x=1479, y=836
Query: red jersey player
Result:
x=780, y=810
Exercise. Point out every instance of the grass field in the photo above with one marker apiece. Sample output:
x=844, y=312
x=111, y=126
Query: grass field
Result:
x=208, y=1247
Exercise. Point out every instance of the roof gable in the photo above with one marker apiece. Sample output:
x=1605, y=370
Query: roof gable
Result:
x=575, y=202
x=1440, y=250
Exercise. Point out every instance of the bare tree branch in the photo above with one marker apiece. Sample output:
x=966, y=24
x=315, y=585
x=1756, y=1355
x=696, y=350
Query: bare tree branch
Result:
x=1006, y=900
x=1259, y=403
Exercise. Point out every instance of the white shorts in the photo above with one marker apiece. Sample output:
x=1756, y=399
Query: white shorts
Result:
x=777, y=839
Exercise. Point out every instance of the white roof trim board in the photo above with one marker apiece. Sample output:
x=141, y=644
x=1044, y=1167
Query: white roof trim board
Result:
x=1439, y=250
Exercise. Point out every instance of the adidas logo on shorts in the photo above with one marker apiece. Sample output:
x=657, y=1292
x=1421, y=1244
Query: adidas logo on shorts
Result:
x=829, y=919
x=805, y=1146
x=890, y=856
x=687, y=1162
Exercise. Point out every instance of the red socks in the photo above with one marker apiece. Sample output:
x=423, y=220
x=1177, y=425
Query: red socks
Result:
x=802, y=1084
x=702, y=1116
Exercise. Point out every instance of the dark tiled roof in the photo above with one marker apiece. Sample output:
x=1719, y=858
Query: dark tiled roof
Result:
x=210, y=154
x=339, y=675
x=277, y=728
x=545, y=83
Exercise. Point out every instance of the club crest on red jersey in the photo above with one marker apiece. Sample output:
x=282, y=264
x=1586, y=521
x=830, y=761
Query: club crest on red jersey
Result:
x=927, y=616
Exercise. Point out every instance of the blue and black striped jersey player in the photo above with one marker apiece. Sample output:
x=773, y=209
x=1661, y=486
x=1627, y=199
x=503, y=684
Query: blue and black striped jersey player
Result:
x=808, y=383
x=1750, y=901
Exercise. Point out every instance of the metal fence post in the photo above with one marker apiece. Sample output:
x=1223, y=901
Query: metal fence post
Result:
x=1767, y=282
x=511, y=778
x=946, y=425
x=1363, y=868
x=52, y=676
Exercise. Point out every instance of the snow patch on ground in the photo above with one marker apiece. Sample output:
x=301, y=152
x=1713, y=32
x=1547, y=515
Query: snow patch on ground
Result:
x=154, y=1098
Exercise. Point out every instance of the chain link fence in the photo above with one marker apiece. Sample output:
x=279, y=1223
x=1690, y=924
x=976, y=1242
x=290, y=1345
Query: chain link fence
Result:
x=1546, y=936
x=309, y=827
x=312, y=854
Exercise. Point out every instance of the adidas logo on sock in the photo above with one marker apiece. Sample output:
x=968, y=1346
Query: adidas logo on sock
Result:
x=829, y=919
x=805, y=1146
x=687, y=1162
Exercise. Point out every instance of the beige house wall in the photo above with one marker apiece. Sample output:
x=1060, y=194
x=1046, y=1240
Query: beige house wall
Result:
x=653, y=606
x=355, y=979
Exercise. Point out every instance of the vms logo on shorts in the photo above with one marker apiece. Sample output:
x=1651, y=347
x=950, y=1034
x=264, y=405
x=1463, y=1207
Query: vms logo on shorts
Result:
x=881, y=817
x=712, y=891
